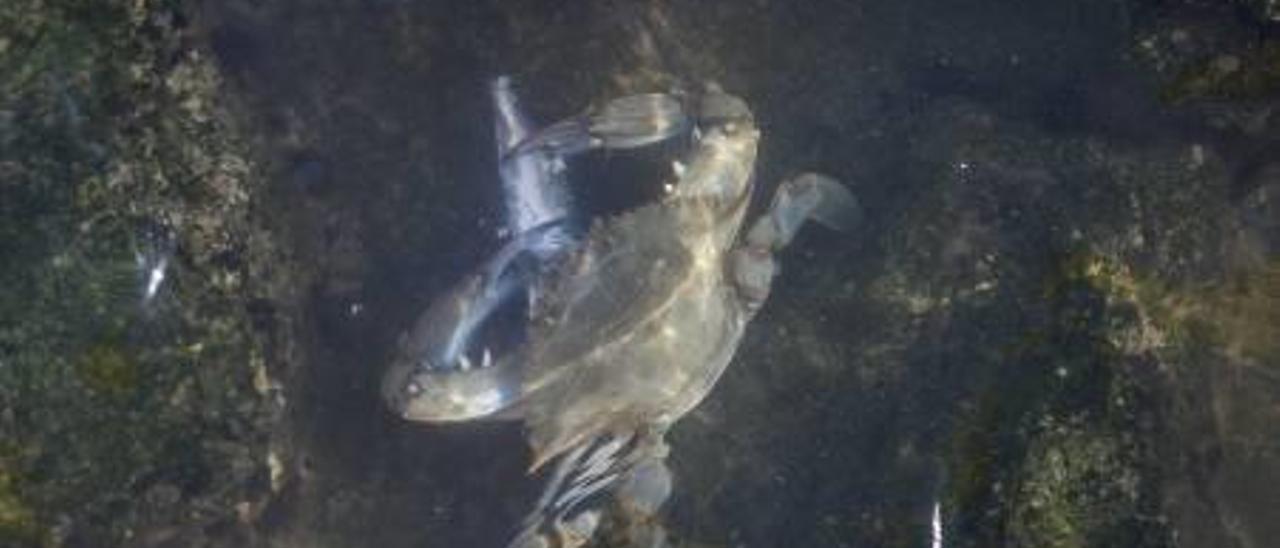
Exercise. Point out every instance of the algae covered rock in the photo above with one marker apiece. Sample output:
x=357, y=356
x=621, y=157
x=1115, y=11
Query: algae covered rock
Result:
x=126, y=358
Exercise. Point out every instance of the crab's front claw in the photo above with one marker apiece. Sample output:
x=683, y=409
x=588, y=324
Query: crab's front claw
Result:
x=438, y=376
x=628, y=122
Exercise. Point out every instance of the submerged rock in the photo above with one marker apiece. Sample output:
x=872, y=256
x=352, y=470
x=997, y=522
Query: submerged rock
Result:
x=128, y=408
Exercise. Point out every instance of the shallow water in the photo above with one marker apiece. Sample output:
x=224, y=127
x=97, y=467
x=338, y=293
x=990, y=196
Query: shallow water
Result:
x=994, y=143
x=1055, y=325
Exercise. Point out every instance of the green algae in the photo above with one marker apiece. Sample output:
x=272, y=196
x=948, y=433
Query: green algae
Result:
x=1064, y=450
x=1064, y=455
x=1051, y=452
x=1074, y=486
x=106, y=369
x=109, y=122
x=1249, y=75
x=1243, y=314
x=17, y=519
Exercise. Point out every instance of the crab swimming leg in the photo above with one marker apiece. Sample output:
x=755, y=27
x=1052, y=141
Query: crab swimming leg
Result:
x=629, y=468
x=808, y=196
x=640, y=496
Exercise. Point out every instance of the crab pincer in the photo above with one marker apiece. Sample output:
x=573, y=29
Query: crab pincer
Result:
x=629, y=122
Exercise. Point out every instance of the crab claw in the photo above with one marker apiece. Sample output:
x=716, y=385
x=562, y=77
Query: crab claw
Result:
x=627, y=122
x=433, y=378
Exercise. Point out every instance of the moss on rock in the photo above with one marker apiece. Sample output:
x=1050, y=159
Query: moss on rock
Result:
x=111, y=132
x=1076, y=487
x=1248, y=74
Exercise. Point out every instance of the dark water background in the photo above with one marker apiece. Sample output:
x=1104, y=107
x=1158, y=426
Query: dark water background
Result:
x=837, y=425
x=1057, y=322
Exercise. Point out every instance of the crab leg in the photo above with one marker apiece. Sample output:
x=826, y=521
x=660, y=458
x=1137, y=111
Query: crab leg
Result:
x=629, y=467
x=808, y=196
x=640, y=496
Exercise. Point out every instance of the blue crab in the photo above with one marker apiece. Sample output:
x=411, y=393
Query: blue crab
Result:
x=630, y=324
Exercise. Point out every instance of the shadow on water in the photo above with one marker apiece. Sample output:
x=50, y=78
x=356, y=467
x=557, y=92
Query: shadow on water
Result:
x=877, y=358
